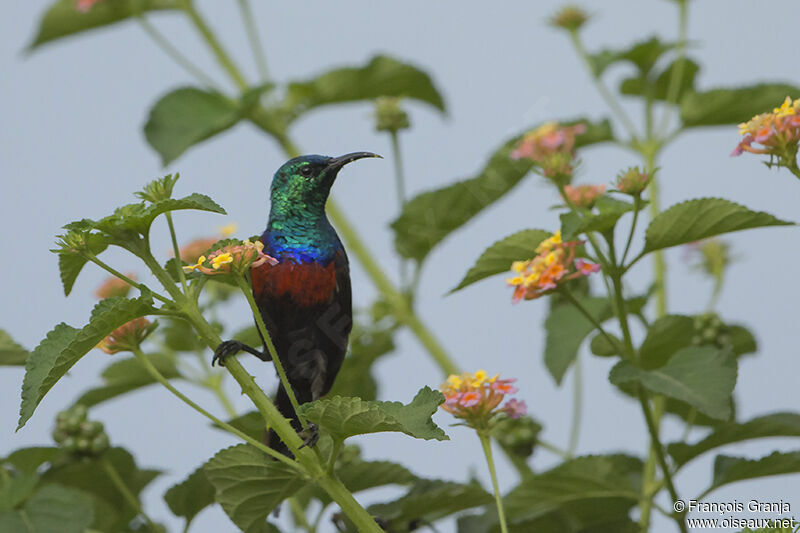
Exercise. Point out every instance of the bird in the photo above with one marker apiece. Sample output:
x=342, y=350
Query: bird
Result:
x=305, y=298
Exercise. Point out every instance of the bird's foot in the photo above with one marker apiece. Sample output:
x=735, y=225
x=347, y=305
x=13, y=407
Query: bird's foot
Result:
x=226, y=349
x=310, y=435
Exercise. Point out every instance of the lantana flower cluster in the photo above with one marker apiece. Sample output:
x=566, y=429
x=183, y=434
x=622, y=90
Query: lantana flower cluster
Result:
x=477, y=398
x=115, y=286
x=238, y=258
x=778, y=132
x=194, y=249
x=584, y=196
x=632, y=181
x=554, y=264
x=552, y=147
x=128, y=337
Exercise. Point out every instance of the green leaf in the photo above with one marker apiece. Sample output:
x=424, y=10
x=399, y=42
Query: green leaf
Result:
x=428, y=501
x=566, y=328
x=643, y=55
x=666, y=336
x=65, y=345
x=742, y=340
x=606, y=485
x=11, y=353
x=127, y=375
x=429, y=217
x=52, y=508
x=249, y=484
x=573, y=224
x=63, y=19
x=359, y=475
x=729, y=469
x=773, y=425
x=659, y=88
x=703, y=377
x=602, y=347
x=498, y=257
x=71, y=263
x=731, y=106
x=30, y=459
x=251, y=424
x=185, y=117
x=346, y=417
x=382, y=76
x=189, y=497
x=701, y=218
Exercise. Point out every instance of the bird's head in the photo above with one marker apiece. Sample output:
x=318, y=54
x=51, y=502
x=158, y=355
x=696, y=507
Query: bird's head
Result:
x=304, y=182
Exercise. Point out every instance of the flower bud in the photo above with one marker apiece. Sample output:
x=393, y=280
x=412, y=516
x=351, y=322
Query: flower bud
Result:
x=389, y=116
x=128, y=337
x=113, y=286
x=584, y=196
x=160, y=189
x=632, y=181
x=570, y=18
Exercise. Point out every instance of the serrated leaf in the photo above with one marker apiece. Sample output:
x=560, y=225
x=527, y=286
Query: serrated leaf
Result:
x=249, y=484
x=642, y=54
x=498, y=257
x=65, y=345
x=665, y=336
x=127, y=375
x=701, y=218
x=192, y=495
x=773, y=425
x=185, y=117
x=429, y=217
x=71, y=263
x=703, y=377
x=729, y=469
x=565, y=329
x=63, y=18
x=382, y=76
x=733, y=105
x=345, y=417
x=609, y=485
x=52, y=508
x=428, y=501
x=11, y=353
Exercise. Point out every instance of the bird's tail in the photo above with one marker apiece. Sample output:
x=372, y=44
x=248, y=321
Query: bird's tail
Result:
x=284, y=406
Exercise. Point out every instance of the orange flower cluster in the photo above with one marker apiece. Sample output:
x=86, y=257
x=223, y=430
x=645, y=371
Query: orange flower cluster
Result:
x=127, y=337
x=554, y=264
x=114, y=286
x=476, y=398
x=238, y=258
x=584, y=196
x=551, y=146
x=778, y=132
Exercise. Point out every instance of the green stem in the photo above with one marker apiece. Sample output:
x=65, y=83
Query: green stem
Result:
x=141, y=286
x=487, y=451
x=604, y=262
x=550, y=447
x=155, y=374
x=677, y=75
x=219, y=52
x=400, y=191
x=219, y=392
x=178, y=261
x=298, y=514
x=255, y=42
x=123, y=489
x=262, y=328
x=585, y=312
x=337, y=446
x=612, y=103
x=175, y=54
x=577, y=407
x=636, y=202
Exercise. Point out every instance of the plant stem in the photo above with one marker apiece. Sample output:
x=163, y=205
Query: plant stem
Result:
x=577, y=407
x=219, y=392
x=400, y=191
x=175, y=54
x=219, y=52
x=677, y=75
x=141, y=286
x=255, y=42
x=262, y=328
x=155, y=374
x=123, y=489
x=298, y=514
x=177, y=251
x=636, y=208
x=550, y=447
x=487, y=451
x=612, y=103
x=585, y=312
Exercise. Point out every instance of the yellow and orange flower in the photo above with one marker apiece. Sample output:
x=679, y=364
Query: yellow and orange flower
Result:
x=551, y=146
x=237, y=258
x=554, y=264
x=778, y=132
x=477, y=398
x=584, y=196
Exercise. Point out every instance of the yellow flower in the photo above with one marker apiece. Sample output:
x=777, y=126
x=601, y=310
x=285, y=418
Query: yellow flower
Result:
x=228, y=229
x=787, y=108
x=454, y=381
x=221, y=259
x=200, y=261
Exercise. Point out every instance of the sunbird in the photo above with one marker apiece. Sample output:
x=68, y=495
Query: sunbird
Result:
x=305, y=299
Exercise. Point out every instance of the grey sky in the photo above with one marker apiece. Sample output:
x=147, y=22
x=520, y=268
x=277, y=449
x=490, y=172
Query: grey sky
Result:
x=72, y=146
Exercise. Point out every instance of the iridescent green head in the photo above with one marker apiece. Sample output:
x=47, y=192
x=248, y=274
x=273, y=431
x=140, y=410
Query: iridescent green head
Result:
x=301, y=186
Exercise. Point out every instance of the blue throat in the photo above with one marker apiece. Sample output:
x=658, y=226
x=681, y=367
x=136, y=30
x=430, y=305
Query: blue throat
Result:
x=301, y=239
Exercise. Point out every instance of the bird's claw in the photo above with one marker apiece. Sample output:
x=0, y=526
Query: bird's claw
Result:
x=225, y=349
x=310, y=435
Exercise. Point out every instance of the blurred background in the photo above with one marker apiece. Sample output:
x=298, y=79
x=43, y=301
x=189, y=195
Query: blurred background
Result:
x=72, y=146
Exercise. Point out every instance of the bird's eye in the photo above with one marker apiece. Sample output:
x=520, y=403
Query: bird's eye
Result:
x=305, y=171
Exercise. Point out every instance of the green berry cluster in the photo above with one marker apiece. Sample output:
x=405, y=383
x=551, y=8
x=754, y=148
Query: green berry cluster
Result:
x=709, y=330
x=517, y=435
x=79, y=436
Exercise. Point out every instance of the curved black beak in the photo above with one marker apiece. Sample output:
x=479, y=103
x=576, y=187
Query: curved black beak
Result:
x=335, y=163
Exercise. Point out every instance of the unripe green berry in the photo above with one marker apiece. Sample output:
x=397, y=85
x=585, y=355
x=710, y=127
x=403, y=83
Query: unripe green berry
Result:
x=80, y=411
x=99, y=444
x=70, y=444
x=59, y=435
x=91, y=428
x=83, y=444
